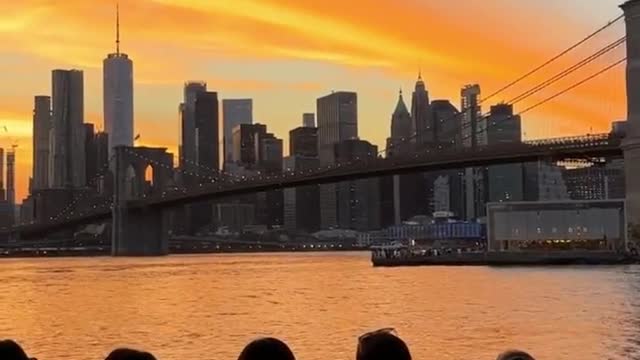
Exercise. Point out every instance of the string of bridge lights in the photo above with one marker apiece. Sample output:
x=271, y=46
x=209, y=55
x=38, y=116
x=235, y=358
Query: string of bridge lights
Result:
x=102, y=171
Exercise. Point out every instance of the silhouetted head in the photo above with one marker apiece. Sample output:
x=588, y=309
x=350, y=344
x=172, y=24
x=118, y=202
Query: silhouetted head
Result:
x=515, y=355
x=266, y=349
x=382, y=344
x=10, y=350
x=129, y=354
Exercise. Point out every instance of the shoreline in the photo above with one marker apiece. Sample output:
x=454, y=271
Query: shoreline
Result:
x=92, y=254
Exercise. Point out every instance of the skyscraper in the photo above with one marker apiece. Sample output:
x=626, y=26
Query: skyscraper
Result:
x=337, y=121
x=90, y=151
x=206, y=122
x=445, y=117
x=101, y=141
x=302, y=204
x=66, y=163
x=41, y=128
x=446, y=187
x=7, y=214
x=401, y=130
x=309, y=120
x=234, y=113
x=473, y=129
x=118, y=95
x=187, y=152
x=3, y=192
x=473, y=134
x=358, y=200
x=423, y=130
x=245, y=139
x=303, y=141
x=505, y=181
x=398, y=194
x=11, y=179
x=503, y=127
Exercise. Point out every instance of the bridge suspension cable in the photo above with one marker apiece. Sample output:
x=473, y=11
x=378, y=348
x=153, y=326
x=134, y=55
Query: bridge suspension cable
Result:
x=589, y=59
x=553, y=59
x=575, y=85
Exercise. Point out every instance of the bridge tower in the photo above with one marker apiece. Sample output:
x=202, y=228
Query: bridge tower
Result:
x=139, y=230
x=631, y=143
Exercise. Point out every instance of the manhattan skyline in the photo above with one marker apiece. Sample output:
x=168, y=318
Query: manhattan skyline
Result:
x=286, y=54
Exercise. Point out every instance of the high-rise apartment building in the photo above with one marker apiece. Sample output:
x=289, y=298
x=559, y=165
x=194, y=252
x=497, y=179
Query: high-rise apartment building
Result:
x=41, y=129
x=337, y=118
x=66, y=163
x=118, y=95
x=234, y=113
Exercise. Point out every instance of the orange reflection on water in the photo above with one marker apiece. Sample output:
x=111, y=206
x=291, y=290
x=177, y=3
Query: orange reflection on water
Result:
x=209, y=307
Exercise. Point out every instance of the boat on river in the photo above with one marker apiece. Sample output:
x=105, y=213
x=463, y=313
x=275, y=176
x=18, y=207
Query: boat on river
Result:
x=395, y=255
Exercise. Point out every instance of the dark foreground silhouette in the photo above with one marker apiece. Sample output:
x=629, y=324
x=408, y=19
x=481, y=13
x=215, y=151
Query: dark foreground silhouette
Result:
x=129, y=354
x=383, y=344
x=10, y=350
x=515, y=355
x=266, y=349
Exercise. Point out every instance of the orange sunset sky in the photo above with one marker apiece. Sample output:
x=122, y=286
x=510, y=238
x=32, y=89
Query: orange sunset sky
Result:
x=286, y=53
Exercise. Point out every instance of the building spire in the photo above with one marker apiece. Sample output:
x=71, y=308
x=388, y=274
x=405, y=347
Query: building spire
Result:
x=117, y=28
x=420, y=73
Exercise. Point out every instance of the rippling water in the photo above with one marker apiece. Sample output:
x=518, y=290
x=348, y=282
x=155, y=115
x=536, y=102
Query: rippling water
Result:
x=208, y=307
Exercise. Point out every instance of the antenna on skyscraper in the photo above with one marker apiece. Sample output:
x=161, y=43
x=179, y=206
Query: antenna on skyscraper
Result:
x=117, y=28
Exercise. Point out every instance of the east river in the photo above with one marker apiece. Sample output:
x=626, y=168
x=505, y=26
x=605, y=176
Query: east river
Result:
x=209, y=307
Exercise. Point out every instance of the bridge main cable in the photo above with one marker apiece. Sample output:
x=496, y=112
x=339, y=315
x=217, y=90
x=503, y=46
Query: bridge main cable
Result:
x=553, y=59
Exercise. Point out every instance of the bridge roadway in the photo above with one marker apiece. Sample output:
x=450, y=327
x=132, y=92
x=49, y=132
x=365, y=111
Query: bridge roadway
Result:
x=586, y=147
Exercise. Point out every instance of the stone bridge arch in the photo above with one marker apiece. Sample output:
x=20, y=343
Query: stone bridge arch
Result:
x=131, y=166
x=139, y=231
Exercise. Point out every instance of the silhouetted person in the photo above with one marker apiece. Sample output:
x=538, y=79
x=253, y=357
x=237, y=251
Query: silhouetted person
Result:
x=10, y=350
x=515, y=355
x=266, y=349
x=382, y=344
x=129, y=354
